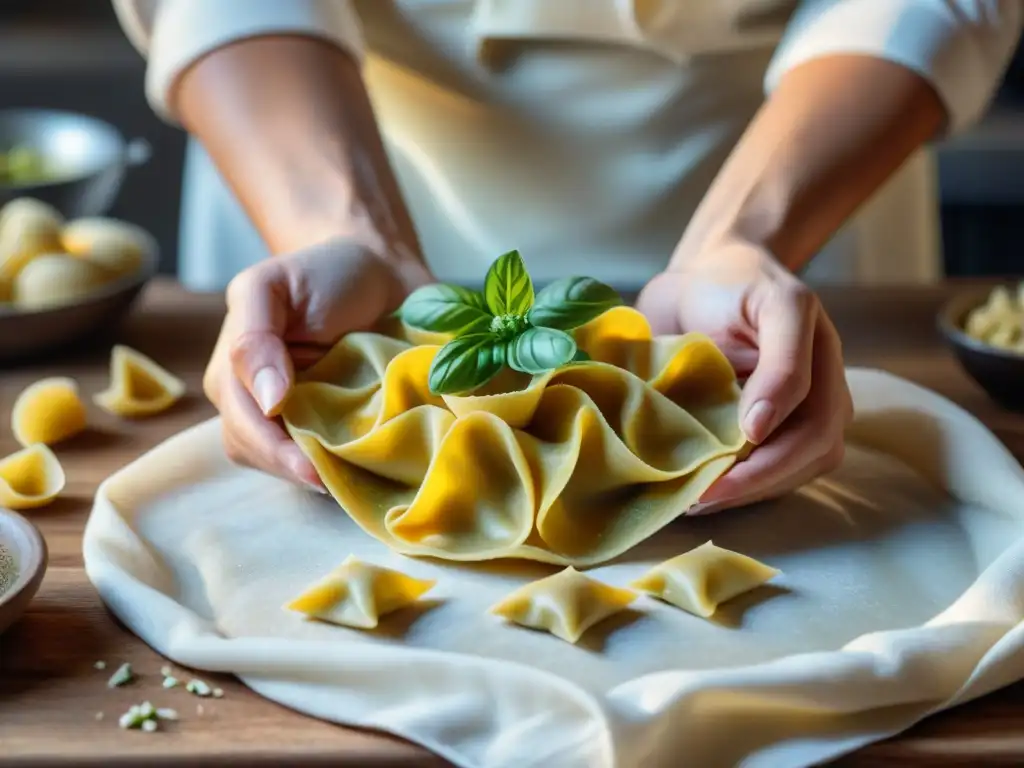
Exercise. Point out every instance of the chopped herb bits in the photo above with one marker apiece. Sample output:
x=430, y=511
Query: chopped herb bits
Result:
x=145, y=717
x=122, y=676
x=198, y=687
x=100, y=665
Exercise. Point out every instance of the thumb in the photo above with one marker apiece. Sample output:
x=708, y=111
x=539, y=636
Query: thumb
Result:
x=258, y=310
x=782, y=377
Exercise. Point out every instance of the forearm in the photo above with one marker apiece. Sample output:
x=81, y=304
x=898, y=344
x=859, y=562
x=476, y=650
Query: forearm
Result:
x=831, y=133
x=288, y=123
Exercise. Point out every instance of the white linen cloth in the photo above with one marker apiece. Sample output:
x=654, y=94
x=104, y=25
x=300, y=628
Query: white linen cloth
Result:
x=592, y=149
x=902, y=593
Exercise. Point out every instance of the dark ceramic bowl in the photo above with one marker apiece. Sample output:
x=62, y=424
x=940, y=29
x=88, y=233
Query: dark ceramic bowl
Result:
x=27, y=334
x=1000, y=372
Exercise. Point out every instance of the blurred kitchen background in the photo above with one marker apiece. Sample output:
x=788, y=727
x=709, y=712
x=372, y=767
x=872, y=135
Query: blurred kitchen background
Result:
x=72, y=55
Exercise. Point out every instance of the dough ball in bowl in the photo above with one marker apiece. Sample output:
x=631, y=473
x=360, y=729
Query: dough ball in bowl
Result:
x=28, y=228
x=57, y=279
x=117, y=246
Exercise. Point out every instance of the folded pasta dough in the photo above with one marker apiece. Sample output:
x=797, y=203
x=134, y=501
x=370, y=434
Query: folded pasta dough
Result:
x=358, y=594
x=566, y=604
x=700, y=580
x=572, y=467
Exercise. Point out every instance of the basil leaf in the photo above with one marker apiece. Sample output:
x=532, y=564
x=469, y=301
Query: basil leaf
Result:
x=571, y=302
x=466, y=363
x=537, y=350
x=581, y=357
x=508, y=289
x=443, y=308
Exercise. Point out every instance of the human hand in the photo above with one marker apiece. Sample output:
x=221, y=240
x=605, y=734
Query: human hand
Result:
x=284, y=314
x=795, y=404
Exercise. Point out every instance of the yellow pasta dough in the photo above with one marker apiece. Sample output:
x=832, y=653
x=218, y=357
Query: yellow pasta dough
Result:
x=117, y=246
x=566, y=604
x=28, y=228
x=47, y=412
x=138, y=385
x=700, y=580
x=30, y=478
x=357, y=594
x=571, y=467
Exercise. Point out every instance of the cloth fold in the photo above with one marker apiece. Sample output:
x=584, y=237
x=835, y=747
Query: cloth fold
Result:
x=901, y=594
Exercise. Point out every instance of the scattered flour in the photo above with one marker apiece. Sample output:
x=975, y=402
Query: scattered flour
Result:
x=8, y=568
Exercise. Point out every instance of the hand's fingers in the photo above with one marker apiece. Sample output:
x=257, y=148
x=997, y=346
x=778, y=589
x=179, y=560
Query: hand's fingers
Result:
x=305, y=355
x=786, y=485
x=658, y=301
x=813, y=437
x=253, y=440
x=777, y=462
x=832, y=348
x=785, y=322
x=258, y=306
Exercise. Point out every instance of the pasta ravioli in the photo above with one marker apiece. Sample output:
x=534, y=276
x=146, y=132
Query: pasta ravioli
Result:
x=138, y=385
x=30, y=478
x=566, y=604
x=573, y=467
x=48, y=411
x=358, y=594
x=700, y=580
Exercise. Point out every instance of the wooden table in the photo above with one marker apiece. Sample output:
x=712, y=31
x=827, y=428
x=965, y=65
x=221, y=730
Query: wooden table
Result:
x=50, y=693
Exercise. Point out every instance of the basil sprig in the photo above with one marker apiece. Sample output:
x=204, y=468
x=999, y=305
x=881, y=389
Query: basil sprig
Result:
x=506, y=324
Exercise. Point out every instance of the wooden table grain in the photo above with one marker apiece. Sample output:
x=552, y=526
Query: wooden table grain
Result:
x=51, y=696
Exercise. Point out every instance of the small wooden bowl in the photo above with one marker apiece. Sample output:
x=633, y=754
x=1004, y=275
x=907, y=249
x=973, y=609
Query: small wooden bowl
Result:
x=1000, y=372
x=24, y=541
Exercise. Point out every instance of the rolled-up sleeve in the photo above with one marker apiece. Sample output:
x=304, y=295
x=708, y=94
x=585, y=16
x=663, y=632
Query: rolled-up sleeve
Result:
x=961, y=47
x=173, y=34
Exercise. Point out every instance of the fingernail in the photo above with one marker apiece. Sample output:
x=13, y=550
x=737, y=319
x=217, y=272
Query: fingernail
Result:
x=300, y=468
x=758, y=421
x=268, y=389
x=698, y=509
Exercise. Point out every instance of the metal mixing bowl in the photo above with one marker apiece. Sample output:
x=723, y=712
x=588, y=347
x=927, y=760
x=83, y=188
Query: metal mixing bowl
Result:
x=91, y=157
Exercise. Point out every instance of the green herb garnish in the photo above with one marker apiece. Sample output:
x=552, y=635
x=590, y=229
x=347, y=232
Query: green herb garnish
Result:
x=504, y=325
x=122, y=676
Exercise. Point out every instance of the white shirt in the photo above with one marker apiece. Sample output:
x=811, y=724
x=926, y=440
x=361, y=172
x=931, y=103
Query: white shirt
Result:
x=582, y=132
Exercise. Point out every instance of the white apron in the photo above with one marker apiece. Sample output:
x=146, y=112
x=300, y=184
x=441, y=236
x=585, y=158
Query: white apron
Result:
x=587, y=147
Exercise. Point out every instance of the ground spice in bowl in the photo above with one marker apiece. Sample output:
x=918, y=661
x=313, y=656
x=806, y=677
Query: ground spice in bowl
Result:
x=8, y=568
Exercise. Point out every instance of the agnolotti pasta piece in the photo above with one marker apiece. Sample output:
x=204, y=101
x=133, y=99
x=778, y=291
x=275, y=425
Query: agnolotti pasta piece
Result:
x=357, y=594
x=566, y=604
x=572, y=467
x=117, y=246
x=30, y=478
x=700, y=580
x=56, y=279
x=48, y=411
x=28, y=228
x=138, y=385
